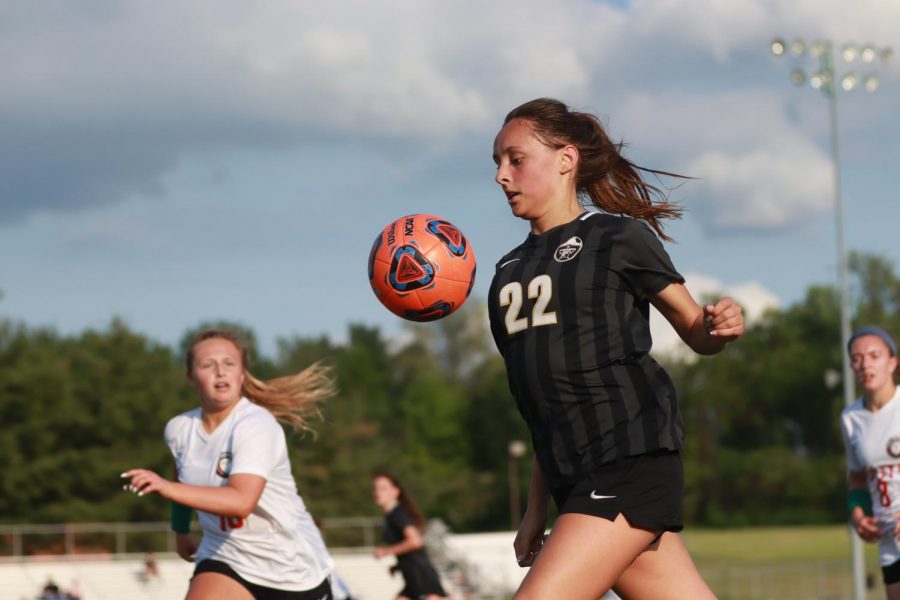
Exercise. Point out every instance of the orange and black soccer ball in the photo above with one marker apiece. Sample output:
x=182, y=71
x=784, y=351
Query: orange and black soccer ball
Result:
x=421, y=267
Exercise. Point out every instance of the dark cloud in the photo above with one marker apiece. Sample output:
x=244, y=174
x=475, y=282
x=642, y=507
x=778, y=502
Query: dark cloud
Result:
x=72, y=172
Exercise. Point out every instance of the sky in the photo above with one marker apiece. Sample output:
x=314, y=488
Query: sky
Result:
x=169, y=163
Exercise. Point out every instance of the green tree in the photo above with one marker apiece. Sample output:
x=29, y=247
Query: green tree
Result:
x=78, y=412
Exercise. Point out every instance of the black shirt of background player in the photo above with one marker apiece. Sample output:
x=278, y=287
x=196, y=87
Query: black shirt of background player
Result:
x=419, y=574
x=569, y=312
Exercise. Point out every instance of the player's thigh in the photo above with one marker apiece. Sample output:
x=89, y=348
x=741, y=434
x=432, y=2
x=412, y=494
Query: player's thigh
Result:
x=893, y=591
x=582, y=558
x=216, y=586
x=664, y=570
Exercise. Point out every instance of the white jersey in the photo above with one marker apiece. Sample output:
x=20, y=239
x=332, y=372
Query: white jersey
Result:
x=278, y=545
x=872, y=441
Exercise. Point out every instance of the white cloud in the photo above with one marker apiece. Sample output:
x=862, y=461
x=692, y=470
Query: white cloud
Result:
x=772, y=188
x=137, y=86
x=716, y=27
x=367, y=110
x=757, y=169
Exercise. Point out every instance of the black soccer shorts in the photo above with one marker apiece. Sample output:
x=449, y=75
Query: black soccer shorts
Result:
x=648, y=489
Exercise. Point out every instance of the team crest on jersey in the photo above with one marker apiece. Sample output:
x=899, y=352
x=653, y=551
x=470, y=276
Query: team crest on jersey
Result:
x=223, y=467
x=893, y=447
x=568, y=249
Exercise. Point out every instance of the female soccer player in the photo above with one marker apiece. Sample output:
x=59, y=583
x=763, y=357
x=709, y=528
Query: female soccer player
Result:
x=232, y=465
x=569, y=312
x=403, y=526
x=871, y=428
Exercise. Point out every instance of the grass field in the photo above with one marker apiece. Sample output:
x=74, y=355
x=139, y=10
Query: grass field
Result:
x=787, y=563
x=825, y=542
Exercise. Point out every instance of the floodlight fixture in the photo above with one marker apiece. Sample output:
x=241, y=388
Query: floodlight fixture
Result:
x=849, y=81
x=849, y=53
x=818, y=48
x=824, y=80
x=867, y=54
x=777, y=47
x=871, y=83
x=821, y=80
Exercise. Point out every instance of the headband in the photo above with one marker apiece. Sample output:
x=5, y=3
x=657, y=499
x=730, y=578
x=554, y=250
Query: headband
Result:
x=877, y=332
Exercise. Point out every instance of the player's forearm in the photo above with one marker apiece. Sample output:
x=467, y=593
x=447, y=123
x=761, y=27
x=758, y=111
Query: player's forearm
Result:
x=538, y=494
x=404, y=547
x=224, y=501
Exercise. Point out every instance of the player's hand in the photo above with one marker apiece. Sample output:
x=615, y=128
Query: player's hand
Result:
x=186, y=546
x=897, y=526
x=867, y=528
x=380, y=552
x=143, y=482
x=724, y=319
x=526, y=557
x=529, y=540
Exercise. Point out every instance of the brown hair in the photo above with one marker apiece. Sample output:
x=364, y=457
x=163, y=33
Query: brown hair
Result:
x=293, y=399
x=405, y=501
x=610, y=181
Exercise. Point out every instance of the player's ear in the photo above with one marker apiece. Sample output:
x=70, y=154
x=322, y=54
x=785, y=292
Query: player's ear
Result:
x=568, y=159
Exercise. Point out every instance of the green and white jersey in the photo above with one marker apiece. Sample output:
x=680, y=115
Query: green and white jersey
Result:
x=278, y=545
x=872, y=441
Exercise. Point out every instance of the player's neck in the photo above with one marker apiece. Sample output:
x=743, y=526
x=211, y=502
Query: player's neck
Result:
x=212, y=418
x=566, y=213
x=877, y=399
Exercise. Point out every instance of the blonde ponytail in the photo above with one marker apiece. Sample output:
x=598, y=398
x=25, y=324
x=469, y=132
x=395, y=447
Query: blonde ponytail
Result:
x=294, y=399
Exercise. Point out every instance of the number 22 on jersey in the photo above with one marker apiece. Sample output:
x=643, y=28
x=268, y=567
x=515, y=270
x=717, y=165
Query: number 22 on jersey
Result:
x=540, y=289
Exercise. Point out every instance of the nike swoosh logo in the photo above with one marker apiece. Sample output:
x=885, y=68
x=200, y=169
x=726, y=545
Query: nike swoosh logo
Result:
x=506, y=263
x=596, y=496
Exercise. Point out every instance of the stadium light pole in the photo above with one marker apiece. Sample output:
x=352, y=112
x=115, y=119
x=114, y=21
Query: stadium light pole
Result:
x=825, y=79
x=515, y=450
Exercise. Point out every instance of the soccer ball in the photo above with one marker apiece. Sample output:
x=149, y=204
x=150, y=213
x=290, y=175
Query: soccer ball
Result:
x=421, y=267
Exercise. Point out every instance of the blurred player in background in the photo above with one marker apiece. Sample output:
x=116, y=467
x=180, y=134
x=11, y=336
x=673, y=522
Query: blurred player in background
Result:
x=871, y=428
x=231, y=461
x=569, y=312
x=403, y=527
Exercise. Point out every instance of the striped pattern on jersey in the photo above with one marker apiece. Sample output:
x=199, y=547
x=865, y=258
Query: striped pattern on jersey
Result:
x=569, y=312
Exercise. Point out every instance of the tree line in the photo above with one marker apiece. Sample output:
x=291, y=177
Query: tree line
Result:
x=763, y=444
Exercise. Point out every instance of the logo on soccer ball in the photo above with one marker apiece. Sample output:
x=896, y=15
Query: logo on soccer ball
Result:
x=568, y=249
x=223, y=467
x=893, y=447
x=449, y=235
x=410, y=270
x=438, y=310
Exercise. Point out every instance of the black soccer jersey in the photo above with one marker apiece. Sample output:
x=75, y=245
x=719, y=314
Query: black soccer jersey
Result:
x=569, y=312
x=419, y=574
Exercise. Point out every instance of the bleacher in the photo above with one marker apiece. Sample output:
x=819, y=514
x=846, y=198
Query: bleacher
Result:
x=96, y=578
x=481, y=562
x=121, y=578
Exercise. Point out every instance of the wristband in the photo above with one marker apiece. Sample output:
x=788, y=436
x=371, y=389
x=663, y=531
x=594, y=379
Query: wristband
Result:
x=181, y=518
x=861, y=498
